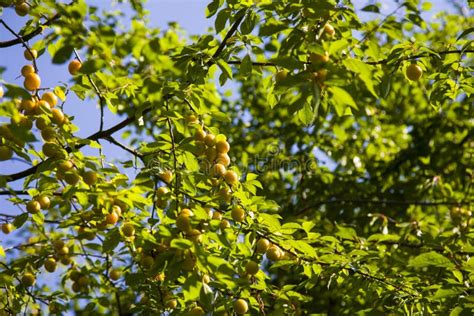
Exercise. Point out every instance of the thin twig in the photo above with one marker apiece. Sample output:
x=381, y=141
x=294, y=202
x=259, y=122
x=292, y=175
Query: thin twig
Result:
x=367, y=34
x=399, y=288
x=22, y=192
x=22, y=42
x=102, y=100
x=8, y=216
x=30, y=35
x=124, y=147
x=98, y=135
x=155, y=188
x=382, y=202
x=175, y=160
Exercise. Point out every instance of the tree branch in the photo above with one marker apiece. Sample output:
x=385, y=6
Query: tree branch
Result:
x=30, y=35
x=134, y=152
x=229, y=34
x=98, y=135
x=368, y=33
x=400, y=288
x=379, y=62
x=446, y=52
x=382, y=202
x=175, y=160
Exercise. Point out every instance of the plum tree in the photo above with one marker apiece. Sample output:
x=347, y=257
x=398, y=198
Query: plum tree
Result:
x=295, y=158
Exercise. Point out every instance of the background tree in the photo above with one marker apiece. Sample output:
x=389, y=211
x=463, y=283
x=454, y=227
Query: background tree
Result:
x=336, y=179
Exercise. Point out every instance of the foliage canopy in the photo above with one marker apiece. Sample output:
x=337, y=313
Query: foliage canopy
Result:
x=335, y=178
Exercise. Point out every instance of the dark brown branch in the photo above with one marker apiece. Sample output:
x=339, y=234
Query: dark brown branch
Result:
x=8, y=216
x=96, y=136
x=30, y=35
x=229, y=34
x=14, y=192
x=407, y=290
x=400, y=288
x=446, y=52
x=379, y=62
x=175, y=160
x=255, y=63
x=383, y=202
x=24, y=192
x=392, y=202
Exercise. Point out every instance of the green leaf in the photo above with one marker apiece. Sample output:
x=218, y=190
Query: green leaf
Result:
x=303, y=247
x=272, y=27
x=341, y=97
x=270, y=221
x=225, y=67
x=38, y=218
x=431, y=259
x=60, y=92
x=111, y=241
x=426, y=6
x=221, y=19
x=63, y=54
x=212, y=7
x=443, y=293
x=181, y=243
x=371, y=8
x=92, y=65
x=246, y=66
x=306, y=114
x=385, y=86
x=206, y=296
x=248, y=24
x=146, y=235
x=458, y=275
x=346, y=232
x=192, y=288
x=14, y=91
x=456, y=311
x=288, y=62
x=6, y=279
x=363, y=70
x=20, y=220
